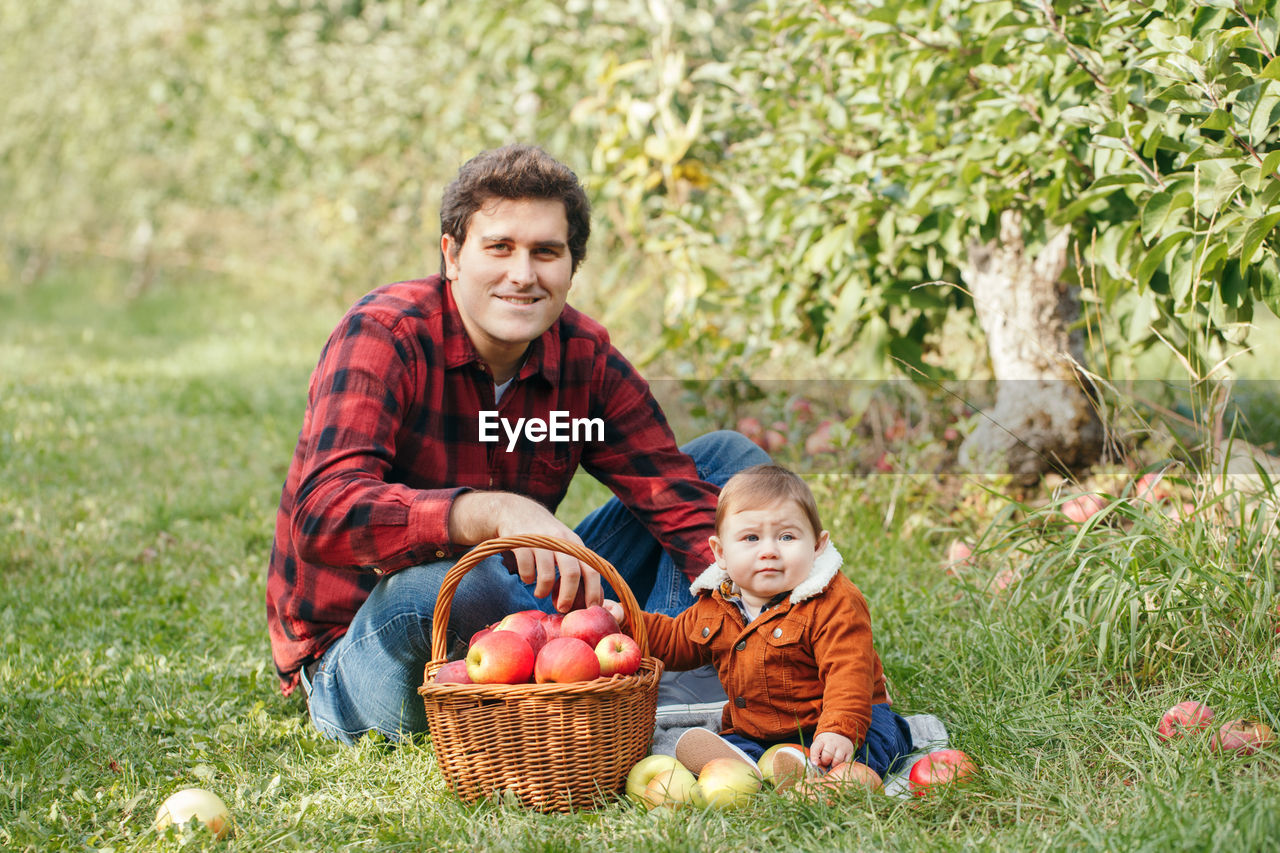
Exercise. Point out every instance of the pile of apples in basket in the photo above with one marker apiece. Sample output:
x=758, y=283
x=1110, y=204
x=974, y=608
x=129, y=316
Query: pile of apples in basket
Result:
x=530, y=646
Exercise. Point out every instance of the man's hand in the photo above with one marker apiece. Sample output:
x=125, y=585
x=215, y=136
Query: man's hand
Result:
x=478, y=516
x=829, y=749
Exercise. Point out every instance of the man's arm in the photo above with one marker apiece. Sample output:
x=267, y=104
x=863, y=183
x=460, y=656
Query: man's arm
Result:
x=346, y=514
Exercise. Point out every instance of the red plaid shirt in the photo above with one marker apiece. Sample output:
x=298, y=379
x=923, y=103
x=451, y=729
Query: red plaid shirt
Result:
x=391, y=436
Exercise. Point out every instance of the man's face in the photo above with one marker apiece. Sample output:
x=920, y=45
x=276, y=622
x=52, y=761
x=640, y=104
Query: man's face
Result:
x=511, y=276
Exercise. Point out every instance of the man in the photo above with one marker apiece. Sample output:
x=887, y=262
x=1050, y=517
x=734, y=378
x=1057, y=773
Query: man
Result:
x=455, y=409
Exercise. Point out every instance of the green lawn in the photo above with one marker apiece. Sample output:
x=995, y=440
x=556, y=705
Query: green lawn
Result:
x=142, y=446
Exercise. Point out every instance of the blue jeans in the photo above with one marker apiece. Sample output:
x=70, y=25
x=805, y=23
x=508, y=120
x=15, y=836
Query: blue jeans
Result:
x=888, y=741
x=368, y=679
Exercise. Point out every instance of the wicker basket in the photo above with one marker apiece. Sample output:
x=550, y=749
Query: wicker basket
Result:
x=555, y=747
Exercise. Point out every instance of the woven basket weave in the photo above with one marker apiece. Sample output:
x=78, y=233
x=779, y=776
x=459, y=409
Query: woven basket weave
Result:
x=555, y=747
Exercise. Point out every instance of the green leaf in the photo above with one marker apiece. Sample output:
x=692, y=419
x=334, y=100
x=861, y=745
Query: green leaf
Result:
x=1160, y=209
x=1153, y=258
x=1272, y=71
x=1256, y=234
x=1219, y=119
x=1271, y=164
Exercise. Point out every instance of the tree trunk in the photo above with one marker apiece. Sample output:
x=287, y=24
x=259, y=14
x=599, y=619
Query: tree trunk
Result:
x=1042, y=419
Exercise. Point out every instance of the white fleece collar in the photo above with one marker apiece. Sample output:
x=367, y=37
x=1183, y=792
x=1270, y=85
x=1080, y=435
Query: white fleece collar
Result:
x=825, y=567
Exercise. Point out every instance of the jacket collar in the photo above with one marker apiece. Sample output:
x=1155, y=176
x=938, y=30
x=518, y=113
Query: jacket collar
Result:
x=825, y=567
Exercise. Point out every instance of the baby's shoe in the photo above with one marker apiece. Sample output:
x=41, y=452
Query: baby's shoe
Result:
x=698, y=746
x=790, y=765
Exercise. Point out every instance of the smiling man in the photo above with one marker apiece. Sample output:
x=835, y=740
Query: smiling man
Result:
x=400, y=467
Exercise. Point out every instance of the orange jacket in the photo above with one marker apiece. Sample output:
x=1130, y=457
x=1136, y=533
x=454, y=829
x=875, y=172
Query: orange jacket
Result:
x=806, y=663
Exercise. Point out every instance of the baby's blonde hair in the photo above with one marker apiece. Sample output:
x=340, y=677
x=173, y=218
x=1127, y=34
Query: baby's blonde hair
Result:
x=765, y=485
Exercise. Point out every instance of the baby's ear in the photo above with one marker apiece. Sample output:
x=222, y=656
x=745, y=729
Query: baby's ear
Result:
x=824, y=539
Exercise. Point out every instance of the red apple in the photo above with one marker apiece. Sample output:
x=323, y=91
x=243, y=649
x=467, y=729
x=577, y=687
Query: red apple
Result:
x=1183, y=718
x=820, y=440
x=565, y=660
x=454, y=672
x=752, y=429
x=500, y=657
x=1083, y=507
x=1243, y=737
x=1151, y=487
x=618, y=655
x=590, y=625
x=579, y=597
x=801, y=408
x=529, y=627
x=488, y=629
x=551, y=624
x=944, y=767
x=850, y=773
x=959, y=555
x=774, y=440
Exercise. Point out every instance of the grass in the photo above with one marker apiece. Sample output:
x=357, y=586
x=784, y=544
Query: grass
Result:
x=142, y=447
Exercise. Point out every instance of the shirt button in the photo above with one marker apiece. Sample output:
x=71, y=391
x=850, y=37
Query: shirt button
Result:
x=740, y=702
x=706, y=632
x=777, y=632
x=377, y=571
x=439, y=553
x=742, y=645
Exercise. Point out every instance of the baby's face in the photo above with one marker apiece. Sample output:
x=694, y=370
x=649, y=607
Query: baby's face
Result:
x=767, y=550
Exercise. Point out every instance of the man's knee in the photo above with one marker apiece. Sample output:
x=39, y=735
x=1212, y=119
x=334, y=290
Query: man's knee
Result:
x=722, y=453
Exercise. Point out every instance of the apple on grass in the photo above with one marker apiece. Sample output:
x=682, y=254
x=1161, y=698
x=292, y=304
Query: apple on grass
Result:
x=590, y=625
x=1243, y=737
x=196, y=804
x=527, y=626
x=500, y=657
x=726, y=783
x=671, y=787
x=454, y=672
x=643, y=772
x=1081, y=508
x=843, y=778
x=944, y=767
x=618, y=655
x=1183, y=718
x=565, y=660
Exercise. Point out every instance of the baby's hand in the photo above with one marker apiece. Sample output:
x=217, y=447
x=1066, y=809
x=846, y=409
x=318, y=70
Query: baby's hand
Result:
x=829, y=749
x=616, y=611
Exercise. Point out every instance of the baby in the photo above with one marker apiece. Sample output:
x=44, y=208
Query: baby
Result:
x=788, y=633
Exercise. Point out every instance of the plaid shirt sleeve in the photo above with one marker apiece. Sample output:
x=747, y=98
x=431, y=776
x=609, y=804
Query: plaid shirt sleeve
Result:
x=347, y=513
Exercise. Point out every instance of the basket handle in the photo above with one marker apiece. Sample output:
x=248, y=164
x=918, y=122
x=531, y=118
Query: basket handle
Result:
x=444, y=599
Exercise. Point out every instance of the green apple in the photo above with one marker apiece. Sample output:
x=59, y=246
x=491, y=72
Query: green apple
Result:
x=644, y=771
x=726, y=783
x=673, y=787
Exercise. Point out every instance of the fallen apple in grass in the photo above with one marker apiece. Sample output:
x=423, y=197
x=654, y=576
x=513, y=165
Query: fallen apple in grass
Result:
x=565, y=660
x=195, y=804
x=844, y=778
x=1243, y=737
x=618, y=655
x=645, y=769
x=944, y=767
x=671, y=787
x=590, y=625
x=500, y=657
x=1183, y=718
x=454, y=672
x=726, y=783
x=1081, y=508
